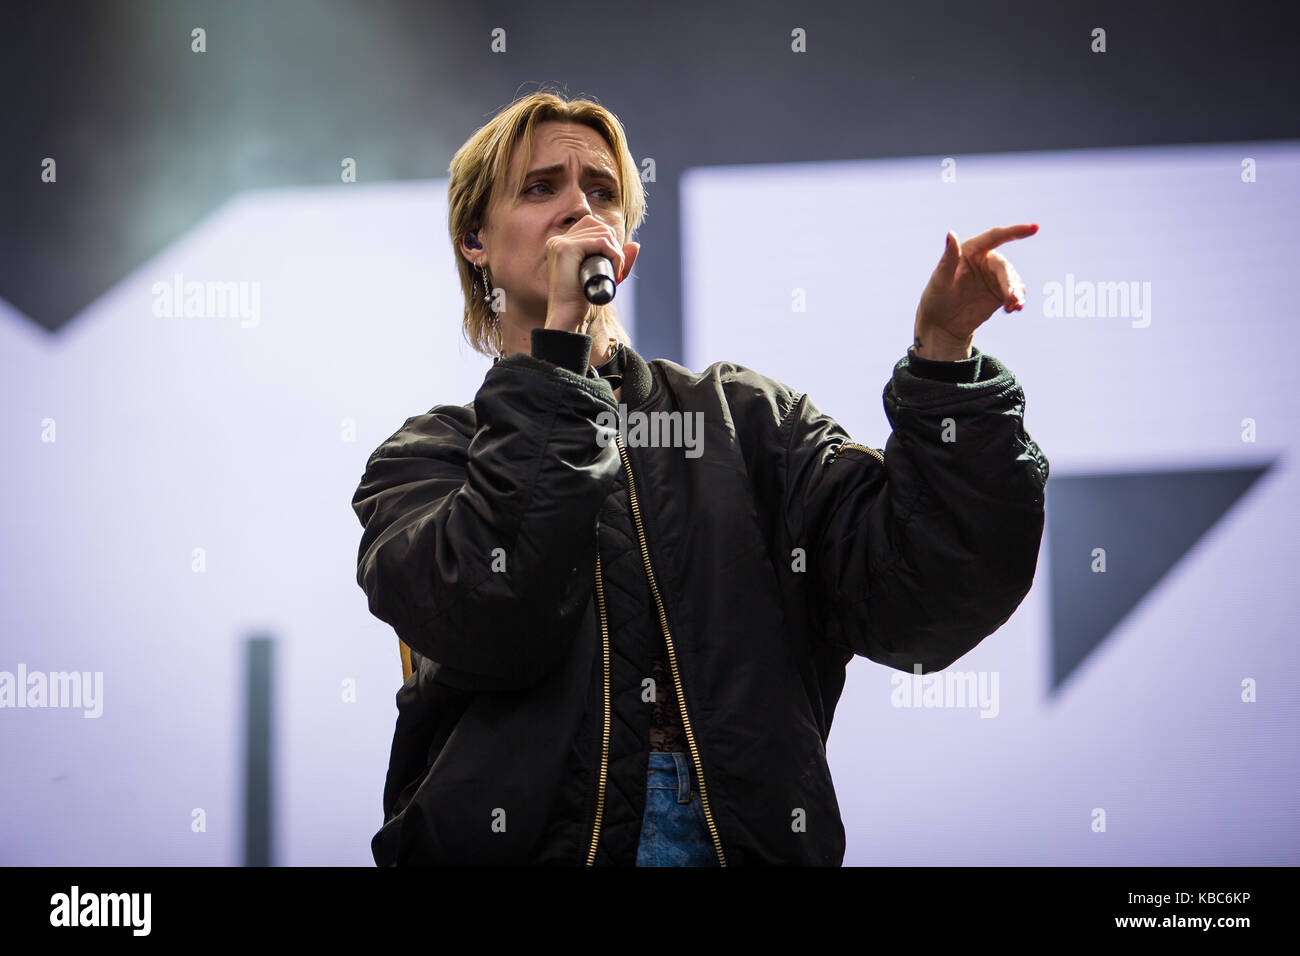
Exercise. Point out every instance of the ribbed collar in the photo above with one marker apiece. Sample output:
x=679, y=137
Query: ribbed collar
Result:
x=612, y=370
x=628, y=368
x=624, y=368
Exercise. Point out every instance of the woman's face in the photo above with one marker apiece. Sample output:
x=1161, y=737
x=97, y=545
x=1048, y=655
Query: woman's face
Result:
x=572, y=174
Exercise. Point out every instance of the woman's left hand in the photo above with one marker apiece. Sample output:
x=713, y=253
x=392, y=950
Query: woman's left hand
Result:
x=970, y=283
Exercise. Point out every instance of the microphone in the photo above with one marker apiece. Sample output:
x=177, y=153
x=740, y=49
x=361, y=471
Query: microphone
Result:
x=597, y=277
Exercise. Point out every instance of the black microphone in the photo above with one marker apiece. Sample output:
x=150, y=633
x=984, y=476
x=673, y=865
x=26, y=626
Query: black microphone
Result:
x=597, y=277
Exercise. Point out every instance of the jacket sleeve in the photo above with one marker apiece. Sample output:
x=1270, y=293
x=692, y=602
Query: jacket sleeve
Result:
x=922, y=549
x=480, y=549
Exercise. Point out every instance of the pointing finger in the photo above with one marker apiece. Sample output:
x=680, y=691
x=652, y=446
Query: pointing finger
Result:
x=996, y=236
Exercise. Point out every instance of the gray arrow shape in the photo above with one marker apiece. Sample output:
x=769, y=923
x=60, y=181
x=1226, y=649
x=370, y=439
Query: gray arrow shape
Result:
x=1146, y=522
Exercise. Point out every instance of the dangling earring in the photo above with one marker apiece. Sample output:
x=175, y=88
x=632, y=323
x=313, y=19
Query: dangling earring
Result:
x=495, y=318
x=487, y=297
x=487, y=292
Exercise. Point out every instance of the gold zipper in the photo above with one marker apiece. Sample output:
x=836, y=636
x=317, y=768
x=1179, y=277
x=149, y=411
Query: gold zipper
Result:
x=672, y=660
x=852, y=444
x=604, y=740
x=672, y=656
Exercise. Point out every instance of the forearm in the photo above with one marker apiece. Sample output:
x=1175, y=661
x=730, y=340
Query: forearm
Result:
x=479, y=549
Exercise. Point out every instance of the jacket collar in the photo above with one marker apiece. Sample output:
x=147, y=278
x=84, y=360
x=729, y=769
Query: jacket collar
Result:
x=637, y=381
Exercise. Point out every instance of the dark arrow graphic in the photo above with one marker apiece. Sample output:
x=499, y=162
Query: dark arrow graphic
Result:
x=1145, y=522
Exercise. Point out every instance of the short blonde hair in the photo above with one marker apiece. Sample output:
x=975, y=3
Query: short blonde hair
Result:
x=482, y=164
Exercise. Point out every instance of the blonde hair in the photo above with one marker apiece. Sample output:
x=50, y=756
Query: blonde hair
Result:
x=482, y=164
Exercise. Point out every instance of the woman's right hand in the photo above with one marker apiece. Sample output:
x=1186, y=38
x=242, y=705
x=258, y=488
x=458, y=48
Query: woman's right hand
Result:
x=566, y=303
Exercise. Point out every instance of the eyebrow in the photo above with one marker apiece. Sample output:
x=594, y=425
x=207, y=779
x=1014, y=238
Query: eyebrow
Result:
x=591, y=172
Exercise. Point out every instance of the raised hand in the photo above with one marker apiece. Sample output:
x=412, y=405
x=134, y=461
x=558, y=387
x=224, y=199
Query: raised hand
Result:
x=968, y=285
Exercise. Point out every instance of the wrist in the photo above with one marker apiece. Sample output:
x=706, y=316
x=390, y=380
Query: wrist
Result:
x=572, y=350
x=939, y=347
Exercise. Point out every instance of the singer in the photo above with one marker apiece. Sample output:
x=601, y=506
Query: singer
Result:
x=625, y=655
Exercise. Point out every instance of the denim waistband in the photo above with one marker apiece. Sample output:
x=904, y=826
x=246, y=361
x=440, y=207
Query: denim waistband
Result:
x=671, y=771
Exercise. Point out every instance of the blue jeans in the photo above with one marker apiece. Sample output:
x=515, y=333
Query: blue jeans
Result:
x=673, y=830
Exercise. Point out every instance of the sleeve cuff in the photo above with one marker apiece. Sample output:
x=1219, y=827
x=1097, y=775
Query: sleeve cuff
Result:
x=571, y=350
x=962, y=371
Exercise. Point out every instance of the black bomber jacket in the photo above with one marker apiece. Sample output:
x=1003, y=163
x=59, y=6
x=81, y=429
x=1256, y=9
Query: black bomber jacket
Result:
x=530, y=548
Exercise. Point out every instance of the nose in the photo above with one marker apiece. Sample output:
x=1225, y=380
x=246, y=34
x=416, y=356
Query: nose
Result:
x=576, y=204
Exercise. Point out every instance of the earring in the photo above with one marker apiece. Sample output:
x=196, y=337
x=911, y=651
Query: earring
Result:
x=487, y=296
x=495, y=318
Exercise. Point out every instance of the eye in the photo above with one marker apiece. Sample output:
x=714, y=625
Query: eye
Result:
x=611, y=195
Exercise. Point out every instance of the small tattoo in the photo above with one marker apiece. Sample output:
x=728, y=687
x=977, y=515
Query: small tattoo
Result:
x=916, y=345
